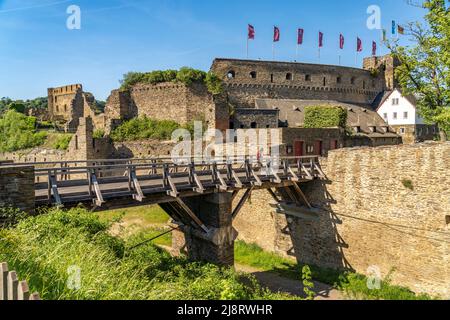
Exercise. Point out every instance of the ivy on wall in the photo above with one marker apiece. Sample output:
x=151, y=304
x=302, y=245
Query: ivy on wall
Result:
x=325, y=117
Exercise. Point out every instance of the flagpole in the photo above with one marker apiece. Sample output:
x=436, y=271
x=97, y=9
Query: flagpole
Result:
x=247, y=48
x=296, y=53
x=273, y=51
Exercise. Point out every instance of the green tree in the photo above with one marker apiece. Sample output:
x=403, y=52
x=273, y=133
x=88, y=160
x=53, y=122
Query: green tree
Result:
x=425, y=66
x=17, y=106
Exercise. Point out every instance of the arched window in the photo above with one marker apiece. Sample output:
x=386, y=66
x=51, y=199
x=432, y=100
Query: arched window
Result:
x=308, y=77
x=324, y=81
x=289, y=76
x=253, y=74
x=231, y=74
x=271, y=78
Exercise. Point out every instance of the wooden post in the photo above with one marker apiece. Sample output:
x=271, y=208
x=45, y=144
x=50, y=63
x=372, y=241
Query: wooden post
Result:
x=3, y=281
x=13, y=283
x=23, y=292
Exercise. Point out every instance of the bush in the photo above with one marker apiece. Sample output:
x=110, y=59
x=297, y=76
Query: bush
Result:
x=45, y=248
x=18, y=132
x=185, y=75
x=98, y=134
x=325, y=117
x=144, y=128
x=62, y=142
x=214, y=84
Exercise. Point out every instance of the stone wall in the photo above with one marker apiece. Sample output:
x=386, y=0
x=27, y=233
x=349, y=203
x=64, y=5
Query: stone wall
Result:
x=369, y=217
x=17, y=188
x=255, y=118
x=247, y=80
x=169, y=101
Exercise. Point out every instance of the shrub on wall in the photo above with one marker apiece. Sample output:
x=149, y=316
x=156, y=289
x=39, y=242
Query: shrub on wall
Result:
x=325, y=117
x=185, y=75
x=144, y=128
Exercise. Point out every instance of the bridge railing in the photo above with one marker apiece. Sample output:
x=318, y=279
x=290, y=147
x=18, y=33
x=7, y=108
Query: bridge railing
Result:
x=79, y=169
x=96, y=179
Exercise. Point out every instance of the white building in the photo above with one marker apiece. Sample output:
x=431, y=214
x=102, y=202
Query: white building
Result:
x=401, y=114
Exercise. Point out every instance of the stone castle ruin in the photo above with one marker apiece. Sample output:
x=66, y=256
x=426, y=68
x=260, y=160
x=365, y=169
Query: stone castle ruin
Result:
x=367, y=214
x=255, y=95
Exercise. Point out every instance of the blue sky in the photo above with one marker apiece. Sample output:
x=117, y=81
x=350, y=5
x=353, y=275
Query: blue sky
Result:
x=37, y=51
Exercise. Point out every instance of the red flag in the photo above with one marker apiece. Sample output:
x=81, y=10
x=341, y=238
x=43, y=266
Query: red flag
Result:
x=341, y=41
x=251, y=32
x=374, y=48
x=276, y=34
x=320, y=39
x=300, y=36
x=359, y=46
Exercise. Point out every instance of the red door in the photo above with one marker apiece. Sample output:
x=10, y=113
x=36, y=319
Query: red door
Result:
x=298, y=148
x=333, y=144
x=318, y=148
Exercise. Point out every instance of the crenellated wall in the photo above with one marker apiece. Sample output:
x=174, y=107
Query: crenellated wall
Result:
x=369, y=216
x=247, y=80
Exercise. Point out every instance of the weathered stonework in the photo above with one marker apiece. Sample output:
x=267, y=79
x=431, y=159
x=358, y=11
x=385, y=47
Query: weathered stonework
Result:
x=169, y=101
x=248, y=80
x=369, y=217
x=216, y=246
x=17, y=188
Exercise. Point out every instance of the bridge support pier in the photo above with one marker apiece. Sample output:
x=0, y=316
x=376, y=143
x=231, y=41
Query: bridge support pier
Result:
x=216, y=246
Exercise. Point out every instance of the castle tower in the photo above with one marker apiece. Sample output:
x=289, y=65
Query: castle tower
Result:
x=386, y=64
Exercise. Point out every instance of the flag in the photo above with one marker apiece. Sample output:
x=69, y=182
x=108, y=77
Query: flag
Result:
x=394, y=27
x=251, y=32
x=374, y=48
x=400, y=29
x=384, y=35
x=359, y=46
x=341, y=41
x=276, y=34
x=300, y=36
x=320, y=39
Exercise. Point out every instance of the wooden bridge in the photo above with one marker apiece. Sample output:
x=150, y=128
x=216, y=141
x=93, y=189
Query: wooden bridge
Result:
x=180, y=186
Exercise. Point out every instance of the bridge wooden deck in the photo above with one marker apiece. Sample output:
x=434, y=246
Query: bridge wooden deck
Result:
x=107, y=184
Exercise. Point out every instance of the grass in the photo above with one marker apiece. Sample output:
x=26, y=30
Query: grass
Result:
x=57, y=141
x=148, y=215
x=252, y=255
x=354, y=285
x=44, y=249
